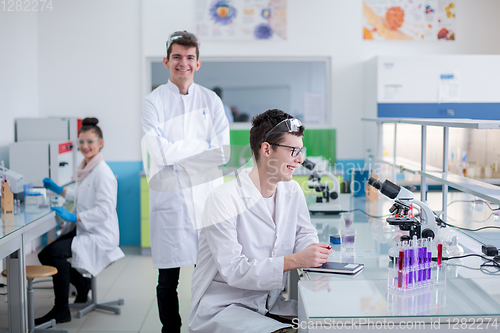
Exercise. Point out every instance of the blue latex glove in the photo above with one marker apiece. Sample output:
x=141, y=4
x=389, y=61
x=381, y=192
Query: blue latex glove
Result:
x=49, y=184
x=65, y=214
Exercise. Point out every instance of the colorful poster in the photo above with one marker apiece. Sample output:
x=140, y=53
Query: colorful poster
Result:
x=409, y=19
x=241, y=19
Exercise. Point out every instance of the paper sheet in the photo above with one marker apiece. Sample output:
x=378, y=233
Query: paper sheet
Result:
x=314, y=108
x=449, y=87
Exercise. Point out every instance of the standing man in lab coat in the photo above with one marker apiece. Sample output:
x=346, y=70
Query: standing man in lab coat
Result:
x=185, y=132
x=258, y=228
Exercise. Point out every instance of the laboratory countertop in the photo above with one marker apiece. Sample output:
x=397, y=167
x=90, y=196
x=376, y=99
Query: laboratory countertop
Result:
x=24, y=216
x=467, y=291
x=12, y=222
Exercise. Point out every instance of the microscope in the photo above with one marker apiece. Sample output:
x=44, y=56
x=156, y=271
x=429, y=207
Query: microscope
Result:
x=402, y=210
x=328, y=201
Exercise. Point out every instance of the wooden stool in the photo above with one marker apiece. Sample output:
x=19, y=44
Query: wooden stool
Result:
x=33, y=272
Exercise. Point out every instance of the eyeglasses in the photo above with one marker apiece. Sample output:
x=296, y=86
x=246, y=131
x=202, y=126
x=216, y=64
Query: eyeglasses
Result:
x=89, y=142
x=286, y=126
x=295, y=150
x=181, y=34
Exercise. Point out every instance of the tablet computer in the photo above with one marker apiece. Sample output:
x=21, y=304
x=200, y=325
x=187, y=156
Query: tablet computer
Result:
x=337, y=267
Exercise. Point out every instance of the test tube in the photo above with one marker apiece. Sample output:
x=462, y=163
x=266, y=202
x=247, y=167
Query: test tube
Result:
x=440, y=254
x=405, y=249
x=411, y=262
x=429, y=261
x=424, y=257
x=406, y=264
x=400, y=267
x=430, y=247
x=3, y=172
x=417, y=261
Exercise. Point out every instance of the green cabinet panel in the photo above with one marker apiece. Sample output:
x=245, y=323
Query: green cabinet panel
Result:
x=321, y=142
x=240, y=149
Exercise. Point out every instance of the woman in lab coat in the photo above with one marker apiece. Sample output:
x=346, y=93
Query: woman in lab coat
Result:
x=92, y=237
x=259, y=229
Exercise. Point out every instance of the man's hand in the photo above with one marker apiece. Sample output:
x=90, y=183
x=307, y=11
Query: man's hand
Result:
x=314, y=255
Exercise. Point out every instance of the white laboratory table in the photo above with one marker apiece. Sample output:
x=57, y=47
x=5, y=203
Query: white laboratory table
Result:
x=327, y=302
x=17, y=231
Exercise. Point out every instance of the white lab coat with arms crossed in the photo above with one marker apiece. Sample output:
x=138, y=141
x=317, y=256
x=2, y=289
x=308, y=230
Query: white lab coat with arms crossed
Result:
x=97, y=234
x=185, y=136
x=239, y=274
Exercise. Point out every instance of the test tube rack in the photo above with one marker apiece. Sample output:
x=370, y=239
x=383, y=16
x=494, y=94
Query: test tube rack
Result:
x=417, y=276
x=427, y=300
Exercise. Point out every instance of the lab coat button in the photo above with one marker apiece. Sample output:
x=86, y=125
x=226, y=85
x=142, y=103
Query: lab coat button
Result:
x=274, y=252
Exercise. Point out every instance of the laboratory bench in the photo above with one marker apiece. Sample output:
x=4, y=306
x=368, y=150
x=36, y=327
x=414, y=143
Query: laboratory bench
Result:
x=467, y=297
x=16, y=233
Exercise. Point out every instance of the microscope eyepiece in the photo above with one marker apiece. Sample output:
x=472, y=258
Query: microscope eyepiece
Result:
x=308, y=165
x=375, y=183
x=389, y=189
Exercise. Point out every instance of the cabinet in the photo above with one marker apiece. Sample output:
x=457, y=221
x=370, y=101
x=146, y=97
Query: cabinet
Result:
x=480, y=189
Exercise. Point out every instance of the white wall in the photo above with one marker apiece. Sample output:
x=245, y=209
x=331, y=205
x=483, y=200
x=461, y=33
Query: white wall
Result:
x=18, y=73
x=331, y=28
x=91, y=58
x=89, y=62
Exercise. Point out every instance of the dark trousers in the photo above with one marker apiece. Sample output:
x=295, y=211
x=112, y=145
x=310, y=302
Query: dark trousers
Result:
x=56, y=254
x=168, y=302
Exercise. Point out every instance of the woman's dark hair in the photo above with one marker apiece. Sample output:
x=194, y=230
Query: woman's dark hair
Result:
x=90, y=124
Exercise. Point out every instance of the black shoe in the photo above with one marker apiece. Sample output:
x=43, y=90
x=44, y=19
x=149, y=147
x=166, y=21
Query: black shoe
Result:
x=82, y=293
x=59, y=312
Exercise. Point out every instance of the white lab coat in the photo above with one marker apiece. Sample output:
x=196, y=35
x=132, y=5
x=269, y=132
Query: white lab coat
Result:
x=239, y=273
x=97, y=234
x=185, y=136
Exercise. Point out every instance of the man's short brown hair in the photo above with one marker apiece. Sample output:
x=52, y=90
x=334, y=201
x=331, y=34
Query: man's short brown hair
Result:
x=263, y=123
x=183, y=38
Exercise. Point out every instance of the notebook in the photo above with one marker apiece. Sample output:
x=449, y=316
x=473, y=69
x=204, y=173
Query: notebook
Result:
x=337, y=267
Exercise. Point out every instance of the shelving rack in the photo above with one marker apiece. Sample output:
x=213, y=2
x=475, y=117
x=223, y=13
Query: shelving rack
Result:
x=480, y=189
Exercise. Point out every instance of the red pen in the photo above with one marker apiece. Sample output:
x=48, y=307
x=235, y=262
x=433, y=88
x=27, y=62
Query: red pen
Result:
x=329, y=247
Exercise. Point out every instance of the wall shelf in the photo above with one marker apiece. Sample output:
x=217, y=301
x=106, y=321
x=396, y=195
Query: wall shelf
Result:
x=480, y=189
x=441, y=175
x=451, y=122
x=407, y=164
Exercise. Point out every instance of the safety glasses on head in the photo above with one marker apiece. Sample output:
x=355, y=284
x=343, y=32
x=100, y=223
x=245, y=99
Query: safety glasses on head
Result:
x=181, y=34
x=286, y=126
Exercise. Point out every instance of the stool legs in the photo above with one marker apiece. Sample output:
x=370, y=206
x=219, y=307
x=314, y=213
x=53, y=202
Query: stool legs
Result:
x=86, y=307
x=31, y=316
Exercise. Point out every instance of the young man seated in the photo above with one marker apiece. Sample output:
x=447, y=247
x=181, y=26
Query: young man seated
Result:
x=257, y=228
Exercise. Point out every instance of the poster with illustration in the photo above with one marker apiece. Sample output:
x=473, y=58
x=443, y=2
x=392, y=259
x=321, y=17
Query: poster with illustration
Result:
x=427, y=20
x=241, y=19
